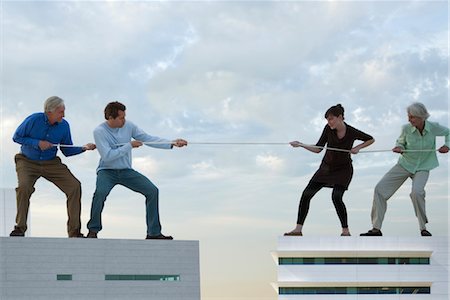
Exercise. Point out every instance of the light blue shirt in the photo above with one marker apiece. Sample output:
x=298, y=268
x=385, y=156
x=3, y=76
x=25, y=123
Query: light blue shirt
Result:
x=114, y=147
x=411, y=139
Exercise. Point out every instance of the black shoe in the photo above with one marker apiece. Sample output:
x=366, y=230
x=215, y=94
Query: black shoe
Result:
x=91, y=235
x=158, y=237
x=293, y=233
x=372, y=232
x=425, y=233
x=17, y=232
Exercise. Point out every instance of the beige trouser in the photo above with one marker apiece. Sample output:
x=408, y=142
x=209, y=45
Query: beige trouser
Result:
x=29, y=171
x=389, y=184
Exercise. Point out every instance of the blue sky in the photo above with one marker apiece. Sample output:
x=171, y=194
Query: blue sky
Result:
x=229, y=71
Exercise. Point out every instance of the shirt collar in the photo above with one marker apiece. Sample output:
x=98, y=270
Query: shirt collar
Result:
x=426, y=128
x=47, y=121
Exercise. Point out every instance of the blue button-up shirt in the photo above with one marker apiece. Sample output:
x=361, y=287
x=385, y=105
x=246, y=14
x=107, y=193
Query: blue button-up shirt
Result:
x=35, y=128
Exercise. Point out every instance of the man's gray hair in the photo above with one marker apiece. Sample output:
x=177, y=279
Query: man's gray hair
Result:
x=419, y=110
x=53, y=103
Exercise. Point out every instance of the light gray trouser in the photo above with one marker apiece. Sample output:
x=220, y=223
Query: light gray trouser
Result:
x=389, y=184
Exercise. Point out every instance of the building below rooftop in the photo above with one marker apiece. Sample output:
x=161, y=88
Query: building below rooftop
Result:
x=369, y=268
x=63, y=268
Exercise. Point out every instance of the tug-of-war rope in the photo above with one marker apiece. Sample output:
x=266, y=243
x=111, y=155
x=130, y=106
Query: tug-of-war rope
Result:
x=265, y=143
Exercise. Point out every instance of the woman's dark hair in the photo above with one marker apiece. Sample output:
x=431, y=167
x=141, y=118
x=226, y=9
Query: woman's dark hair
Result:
x=112, y=109
x=335, y=110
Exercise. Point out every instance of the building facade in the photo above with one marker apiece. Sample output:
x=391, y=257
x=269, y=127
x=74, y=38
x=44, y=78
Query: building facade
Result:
x=366, y=268
x=63, y=268
x=8, y=212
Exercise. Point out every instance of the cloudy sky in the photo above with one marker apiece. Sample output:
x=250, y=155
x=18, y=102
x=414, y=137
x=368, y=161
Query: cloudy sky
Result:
x=228, y=71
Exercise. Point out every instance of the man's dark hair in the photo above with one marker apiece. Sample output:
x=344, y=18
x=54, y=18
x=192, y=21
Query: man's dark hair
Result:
x=112, y=109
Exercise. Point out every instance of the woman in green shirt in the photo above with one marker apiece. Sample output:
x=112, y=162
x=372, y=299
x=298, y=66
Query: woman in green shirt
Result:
x=416, y=145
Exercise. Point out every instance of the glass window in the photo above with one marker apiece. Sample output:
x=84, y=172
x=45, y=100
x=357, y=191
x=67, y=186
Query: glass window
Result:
x=64, y=277
x=392, y=261
x=353, y=260
x=352, y=290
x=319, y=261
x=403, y=261
x=387, y=290
x=414, y=261
x=297, y=261
x=334, y=260
x=142, y=277
x=424, y=261
x=382, y=261
x=308, y=261
x=350, y=260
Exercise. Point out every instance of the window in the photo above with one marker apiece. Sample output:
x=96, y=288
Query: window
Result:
x=64, y=277
x=352, y=290
x=142, y=277
x=353, y=261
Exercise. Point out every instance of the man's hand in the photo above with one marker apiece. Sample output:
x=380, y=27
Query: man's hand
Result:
x=136, y=144
x=44, y=145
x=89, y=146
x=179, y=143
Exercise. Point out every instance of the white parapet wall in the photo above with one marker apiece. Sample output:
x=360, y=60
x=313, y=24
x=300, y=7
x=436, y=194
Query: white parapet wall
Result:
x=362, y=268
x=63, y=268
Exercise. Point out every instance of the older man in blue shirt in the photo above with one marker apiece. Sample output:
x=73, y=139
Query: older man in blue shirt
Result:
x=39, y=136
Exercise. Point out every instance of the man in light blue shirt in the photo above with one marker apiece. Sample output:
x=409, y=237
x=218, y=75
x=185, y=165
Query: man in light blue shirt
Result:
x=114, y=144
x=416, y=144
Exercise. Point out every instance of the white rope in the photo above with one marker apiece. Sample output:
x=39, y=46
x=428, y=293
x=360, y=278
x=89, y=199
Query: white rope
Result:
x=264, y=143
x=66, y=146
x=367, y=151
x=210, y=143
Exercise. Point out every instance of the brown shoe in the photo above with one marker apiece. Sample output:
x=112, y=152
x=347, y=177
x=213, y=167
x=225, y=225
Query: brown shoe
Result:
x=76, y=235
x=92, y=235
x=158, y=237
x=17, y=232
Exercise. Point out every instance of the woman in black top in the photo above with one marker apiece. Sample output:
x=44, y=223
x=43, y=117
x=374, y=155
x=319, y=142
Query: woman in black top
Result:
x=336, y=169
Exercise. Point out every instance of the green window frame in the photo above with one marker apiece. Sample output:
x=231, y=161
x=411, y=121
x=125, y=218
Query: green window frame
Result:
x=151, y=277
x=64, y=277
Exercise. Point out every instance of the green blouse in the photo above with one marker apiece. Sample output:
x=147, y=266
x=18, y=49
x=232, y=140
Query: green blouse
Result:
x=411, y=139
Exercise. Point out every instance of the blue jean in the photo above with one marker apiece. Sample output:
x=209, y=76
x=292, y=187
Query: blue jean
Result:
x=107, y=179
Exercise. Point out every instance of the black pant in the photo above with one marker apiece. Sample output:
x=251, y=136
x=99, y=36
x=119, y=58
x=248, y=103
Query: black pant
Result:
x=311, y=189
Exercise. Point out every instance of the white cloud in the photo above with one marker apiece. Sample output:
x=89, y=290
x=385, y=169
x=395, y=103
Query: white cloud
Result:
x=206, y=170
x=270, y=161
x=360, y=115
x=146, y=165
